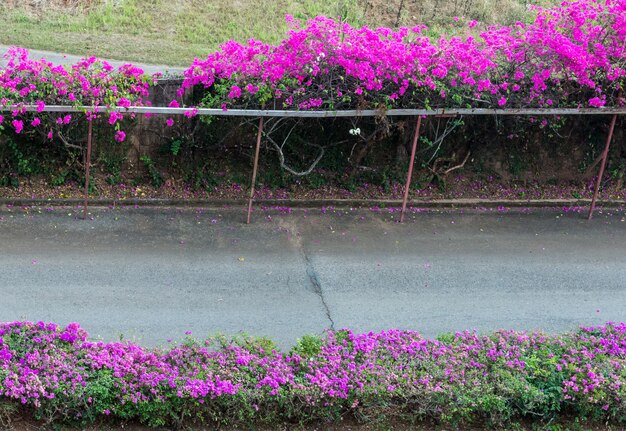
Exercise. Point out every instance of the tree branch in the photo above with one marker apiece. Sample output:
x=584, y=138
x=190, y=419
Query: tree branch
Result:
x=454, y=168
x=67, y=144
x=281, y=155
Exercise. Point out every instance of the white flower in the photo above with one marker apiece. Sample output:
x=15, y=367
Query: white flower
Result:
x=355, y=132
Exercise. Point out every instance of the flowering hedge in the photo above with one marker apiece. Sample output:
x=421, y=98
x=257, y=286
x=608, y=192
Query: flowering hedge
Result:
x=462, y=378
x=570, y=56
x=573, y=55
x=91, y=83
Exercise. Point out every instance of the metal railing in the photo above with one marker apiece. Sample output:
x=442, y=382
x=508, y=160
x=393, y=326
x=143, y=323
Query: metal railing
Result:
x=157, y=110
x=419, y=113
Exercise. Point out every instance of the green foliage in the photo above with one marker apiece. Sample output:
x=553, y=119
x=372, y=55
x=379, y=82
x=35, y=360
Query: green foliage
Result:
x=316, y=180
x=59, y=178
x=308, y=346
x=202, y=179
x=24, y=165
x=253, y=343
x=9, y=180
x=271, y=177
x=446, y=337
x=517, y=164
x=213, y=98
x=15, y=162
x=155, y=176
x=175, y=146
x=112, y=162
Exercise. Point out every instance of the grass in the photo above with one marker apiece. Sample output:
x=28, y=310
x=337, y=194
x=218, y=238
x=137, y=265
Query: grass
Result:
x=173, y=32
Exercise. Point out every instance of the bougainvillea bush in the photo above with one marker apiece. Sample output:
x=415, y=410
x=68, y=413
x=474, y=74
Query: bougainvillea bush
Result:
x=465, y=378
x=572, y=55
x=90, y=83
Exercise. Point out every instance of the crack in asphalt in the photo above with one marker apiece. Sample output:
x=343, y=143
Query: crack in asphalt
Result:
x=317, y=286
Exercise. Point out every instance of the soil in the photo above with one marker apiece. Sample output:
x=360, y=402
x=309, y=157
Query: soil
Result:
x=28, y=424
x=459, y=187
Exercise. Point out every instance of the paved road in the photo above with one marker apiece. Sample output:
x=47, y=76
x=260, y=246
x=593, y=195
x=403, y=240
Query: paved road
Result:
x=150, y=274
x=57, y=58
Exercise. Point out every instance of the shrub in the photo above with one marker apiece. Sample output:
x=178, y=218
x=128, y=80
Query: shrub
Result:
x=492, y=379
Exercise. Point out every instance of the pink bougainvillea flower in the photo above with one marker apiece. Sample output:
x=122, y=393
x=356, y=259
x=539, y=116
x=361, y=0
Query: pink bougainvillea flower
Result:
x=174, y=104
x=124, y=102
x=597, y=102
x=18, y=125
x=235, y=92
x=114, y=117
x=252, y=89
x=169, y=122
x=502, y=101
x=36, y=122
x=50, y=135
x=120, y=136
x=40, y=106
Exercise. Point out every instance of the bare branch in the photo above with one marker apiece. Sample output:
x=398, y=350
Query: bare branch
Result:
x=275, y=125
x=450, y=126
x=281, y=155
x=67, y=144
x=591, y=168
x=459, y=166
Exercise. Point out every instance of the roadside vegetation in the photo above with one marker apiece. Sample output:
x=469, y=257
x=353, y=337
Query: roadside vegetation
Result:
x=498, y=380
x=564, y=57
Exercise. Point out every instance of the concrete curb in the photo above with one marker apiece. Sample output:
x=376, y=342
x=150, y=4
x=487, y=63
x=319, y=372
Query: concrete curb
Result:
x=316, y=203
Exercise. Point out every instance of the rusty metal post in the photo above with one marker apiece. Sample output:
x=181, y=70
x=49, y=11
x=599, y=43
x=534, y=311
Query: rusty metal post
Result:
x=411, y=162
x=87, y=166
x=602, y=166
x=255, y=167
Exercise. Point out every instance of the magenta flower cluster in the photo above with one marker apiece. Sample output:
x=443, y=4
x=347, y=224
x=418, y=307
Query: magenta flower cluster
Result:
x=571, y=55
x=91, y=82
x=465, y=377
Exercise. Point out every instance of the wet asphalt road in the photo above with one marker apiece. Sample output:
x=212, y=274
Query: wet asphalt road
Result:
x=150, y=274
